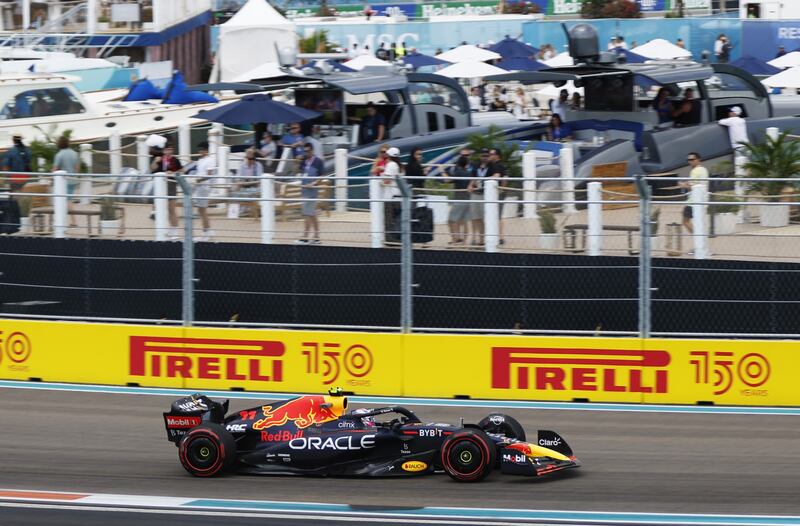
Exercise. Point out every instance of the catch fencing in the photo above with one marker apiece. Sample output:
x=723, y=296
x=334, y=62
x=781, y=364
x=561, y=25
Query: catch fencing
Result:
x=539, y=255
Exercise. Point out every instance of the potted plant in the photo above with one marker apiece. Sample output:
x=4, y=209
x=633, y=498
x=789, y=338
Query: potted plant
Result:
x=109, y=222
x=24, y=204
x=725, y=214
x=548, y=237
x=103, y=23
x=773, y=159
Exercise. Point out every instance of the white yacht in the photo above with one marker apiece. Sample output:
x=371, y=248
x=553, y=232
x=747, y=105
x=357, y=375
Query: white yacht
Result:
x=39, y=104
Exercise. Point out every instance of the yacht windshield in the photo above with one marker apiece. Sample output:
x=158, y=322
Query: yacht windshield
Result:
x=45, y=102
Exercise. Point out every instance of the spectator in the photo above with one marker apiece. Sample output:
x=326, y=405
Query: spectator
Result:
x=389, y=190
x=576, y=103
x=621, y=44
x=66, y=160
x=475, y=99
x=311, y=175
x=373, y=126
x=560, y=106
x=475, y=190
x=663, y=106
x=247, y=183
x=737, y=128
x=725, y=54
x=520, y=103
x=415, y=172
x=687, y=111
x=399, y=50
x=697, y=175
x=294, y=139
x=558, y=129
x=204, y=169
x=460, y=208
x=719, y=46
x=379, y=164
x=164, y=161
x=680, y=43
x=368, y=12
x=781, y=52
x=267, y=150
x=17, y=159
x=382, y=53
x=497, y=170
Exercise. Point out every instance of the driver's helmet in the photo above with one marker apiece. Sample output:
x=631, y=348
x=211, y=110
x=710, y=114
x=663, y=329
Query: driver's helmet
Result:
x=368, y=421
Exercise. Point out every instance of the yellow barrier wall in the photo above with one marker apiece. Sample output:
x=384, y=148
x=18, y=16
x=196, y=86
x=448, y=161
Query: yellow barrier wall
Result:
x=494, y=367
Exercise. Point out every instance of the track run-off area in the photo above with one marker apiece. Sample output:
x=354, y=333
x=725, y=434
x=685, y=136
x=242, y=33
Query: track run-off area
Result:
x=101, y=455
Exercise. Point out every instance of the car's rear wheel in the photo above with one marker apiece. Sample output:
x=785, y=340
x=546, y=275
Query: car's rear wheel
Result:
x=468, y=455
x=505, y=425
x=207, y=450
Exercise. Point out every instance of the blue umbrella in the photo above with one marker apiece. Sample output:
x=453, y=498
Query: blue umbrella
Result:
x=511, y=47
x=630, y=56
x=337, y=66
x=521, y=64
x=257, y=108
x=755, y=66
x=418, y=60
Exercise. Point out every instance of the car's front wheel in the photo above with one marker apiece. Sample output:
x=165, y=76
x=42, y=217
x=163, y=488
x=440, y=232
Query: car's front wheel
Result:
x=468, y=455
x=207, y=450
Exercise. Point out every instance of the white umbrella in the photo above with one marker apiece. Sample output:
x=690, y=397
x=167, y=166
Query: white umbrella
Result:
x=363, y=61
x=560, y=60
x=789, y=60
x=788, y=78
x=552, y=91
x=660, y=49
x=470, y=70
x=267, y=70
x=466, y=53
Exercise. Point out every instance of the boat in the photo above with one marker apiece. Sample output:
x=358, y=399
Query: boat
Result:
x=44, y=104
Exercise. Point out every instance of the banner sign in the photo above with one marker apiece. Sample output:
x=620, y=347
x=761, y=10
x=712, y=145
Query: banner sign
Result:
x=730, y=372
x=564, y=7
x=652, y=5
x=762, y=39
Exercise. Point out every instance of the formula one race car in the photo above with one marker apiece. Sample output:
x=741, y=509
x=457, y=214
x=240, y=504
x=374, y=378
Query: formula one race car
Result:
x=313, y=435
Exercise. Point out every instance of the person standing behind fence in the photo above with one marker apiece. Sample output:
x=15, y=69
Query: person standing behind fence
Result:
x=164, y=161
x=737, y=128
x=697, y=175
x=460, y=208
x=67, y=160
x=475, y=190
x=294, y=139
x=202, y=190
x=415, y=172
x=268, y=151
x=497, y=170
x=18, y=159
x=389, y=191
x=311, y=173
x=247, y=182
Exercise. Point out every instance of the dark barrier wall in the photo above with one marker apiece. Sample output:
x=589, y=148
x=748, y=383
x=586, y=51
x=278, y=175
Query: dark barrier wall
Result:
x=355, y=286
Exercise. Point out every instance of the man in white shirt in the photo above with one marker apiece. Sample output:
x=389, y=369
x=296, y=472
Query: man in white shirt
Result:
x=202, y=189
x=737, y=128
x=560, y=106
x=475, y=99
x=718, y=43
x=697, y=175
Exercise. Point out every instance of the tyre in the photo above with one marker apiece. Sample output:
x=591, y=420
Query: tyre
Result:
x=505, y=425
x=468, y=455
x=207, y=450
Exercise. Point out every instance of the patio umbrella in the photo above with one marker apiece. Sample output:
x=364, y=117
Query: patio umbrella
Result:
x=789, y=78
x=755, y=66
x=363, y=61
x=470, y=70
x=552, y=91
x=418, y=60
x=257, y=108
x=630, y=56
x=789, y=60
x=521, y=64
x=468, y=52
x=337, y=66
x=560, y=60
x=511, y=47
x=660, y=49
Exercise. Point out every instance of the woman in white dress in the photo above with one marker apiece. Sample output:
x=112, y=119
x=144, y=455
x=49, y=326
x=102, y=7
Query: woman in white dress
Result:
x=519, y=103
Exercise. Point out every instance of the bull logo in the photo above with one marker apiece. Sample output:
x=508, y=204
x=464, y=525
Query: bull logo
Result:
x=302, y=412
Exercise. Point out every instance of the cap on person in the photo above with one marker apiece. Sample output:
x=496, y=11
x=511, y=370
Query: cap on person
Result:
x=393, y=152
x=485, y=151
x=737, y=110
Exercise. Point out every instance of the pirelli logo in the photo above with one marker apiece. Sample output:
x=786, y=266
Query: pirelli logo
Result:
x=211, y=359
x=604, y=370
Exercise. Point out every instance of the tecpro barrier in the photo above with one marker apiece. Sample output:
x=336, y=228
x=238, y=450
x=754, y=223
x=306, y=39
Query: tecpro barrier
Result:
x=477, y=366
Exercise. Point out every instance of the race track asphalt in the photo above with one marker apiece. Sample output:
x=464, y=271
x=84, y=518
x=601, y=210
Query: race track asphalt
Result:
x=632, y=461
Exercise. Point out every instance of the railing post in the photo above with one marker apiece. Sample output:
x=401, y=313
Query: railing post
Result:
x=185, y=143
x=213, y=140
x=86, y=182
x=340, y=183
x=91, y=17
x=376, y=212
x=223, y=172
x=700, y=220
x=740, y=187
x=529, y=185
x=160, y=204
x=115, y=152
x=773, y=133
x=566, y=162
x=59, y=204
x=267, y=205
x=491, y=214
x=142, y=154
x=595, y=219
x=285, y=156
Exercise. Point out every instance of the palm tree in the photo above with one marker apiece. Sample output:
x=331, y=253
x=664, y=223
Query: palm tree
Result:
x=773, y=159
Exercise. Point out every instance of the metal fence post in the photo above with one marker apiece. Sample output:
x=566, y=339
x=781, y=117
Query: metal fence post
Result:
x=267, y=205
x=340, y=183
x=376, y=212
x=529, y=185
x=700, y=220
x=188, y=252
x=406, y=259
x=160, y=203
x=86, y=182
x=491, y=215
x=595, y=234
x=645, y=261
x=59, y=204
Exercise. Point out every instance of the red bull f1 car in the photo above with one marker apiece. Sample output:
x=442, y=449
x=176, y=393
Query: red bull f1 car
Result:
x=315, y=435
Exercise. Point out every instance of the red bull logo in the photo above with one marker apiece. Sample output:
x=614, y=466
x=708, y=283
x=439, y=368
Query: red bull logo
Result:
x=280, y=436
x=302, y=412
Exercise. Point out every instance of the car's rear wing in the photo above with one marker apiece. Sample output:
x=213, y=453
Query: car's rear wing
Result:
x=189, y=412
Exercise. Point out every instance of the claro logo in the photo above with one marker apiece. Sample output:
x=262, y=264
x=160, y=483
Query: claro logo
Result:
x=605, y=370
x=206, y=358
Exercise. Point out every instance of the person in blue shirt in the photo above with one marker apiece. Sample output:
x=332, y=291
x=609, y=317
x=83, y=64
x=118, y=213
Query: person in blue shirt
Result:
x=312, y=170
x=663, y=106
x=294, y=139
x=373, y=126
x=18, y=159
x=558, y=130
